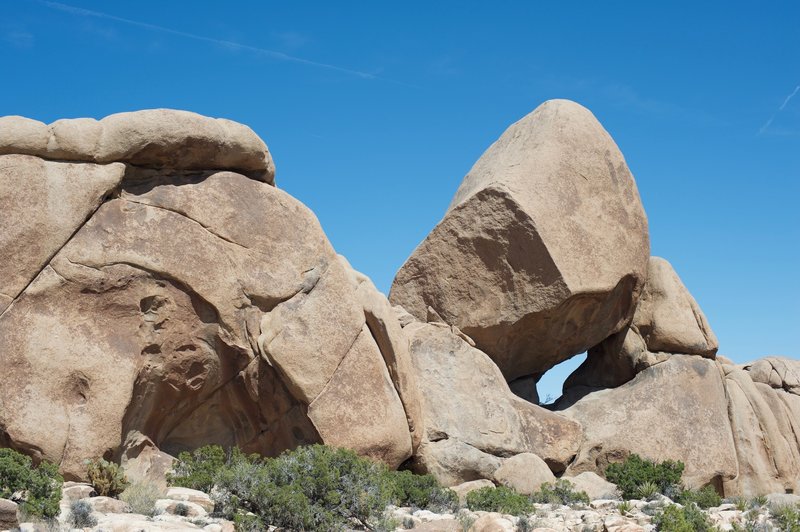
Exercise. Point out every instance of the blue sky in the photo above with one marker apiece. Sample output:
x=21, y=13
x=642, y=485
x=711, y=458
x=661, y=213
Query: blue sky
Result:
x=375, y=111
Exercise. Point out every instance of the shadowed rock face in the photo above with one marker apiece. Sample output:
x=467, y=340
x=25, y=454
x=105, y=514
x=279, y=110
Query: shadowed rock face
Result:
x=544, y=249
x=154, y=304
x=667, y=320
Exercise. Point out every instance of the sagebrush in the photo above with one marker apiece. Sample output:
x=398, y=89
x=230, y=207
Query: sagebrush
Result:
x=40, y=486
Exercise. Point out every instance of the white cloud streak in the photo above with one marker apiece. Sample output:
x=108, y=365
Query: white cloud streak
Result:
x=765, y=127
x=272, y=54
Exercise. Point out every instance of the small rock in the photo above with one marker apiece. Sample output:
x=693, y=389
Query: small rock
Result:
x=107, y=505
x=595, y=486
x=492, y=523
x=190, y=495
x=74, y=491
x=9, y=514
x=524, y=472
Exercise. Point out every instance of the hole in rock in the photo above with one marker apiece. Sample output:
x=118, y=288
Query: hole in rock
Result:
x=551, y=383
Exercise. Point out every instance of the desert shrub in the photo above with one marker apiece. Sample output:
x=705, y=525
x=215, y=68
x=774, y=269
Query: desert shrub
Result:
x=41, y=486
x=80, y=514
x=420, y=491
x=198, y=469
x=500, y=499
x=687, y=519
x=624, y=507
x=787, y=517
x=141, y=497
x=524, y=524
x=706, y=497
x=313, y=487
x=181, y=509
x=310, y=488
x=631, y=474
x=758, y=501
x=107, y=478
x=562, y=492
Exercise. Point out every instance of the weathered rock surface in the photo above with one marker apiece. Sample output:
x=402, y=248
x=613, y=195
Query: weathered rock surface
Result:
x=674, y=410
x=595, y=486
x=43, y=203
x=471, y=418
x=525, y=473
x=159, y=304
x=543, y=251
x=766, y=429
x=9, y=515
x=667, y=320
x=160, y=138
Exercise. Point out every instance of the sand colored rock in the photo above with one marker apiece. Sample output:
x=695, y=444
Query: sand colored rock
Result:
x=766, y=424
x=360, y=409
x=469, y=410
x=668, y=318
x=9, y=515
x=543, y=251
x=682, y=401
x=154, y=138
x=43, y=204
x=525, y=473
x=194, y=306
x=595, y=486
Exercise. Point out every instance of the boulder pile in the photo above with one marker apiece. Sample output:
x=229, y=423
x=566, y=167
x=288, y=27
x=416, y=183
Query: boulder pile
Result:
x=158, y=293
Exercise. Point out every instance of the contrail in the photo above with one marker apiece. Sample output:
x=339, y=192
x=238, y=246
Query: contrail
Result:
x=789, y=98
x=221, y=42
x=785, y=102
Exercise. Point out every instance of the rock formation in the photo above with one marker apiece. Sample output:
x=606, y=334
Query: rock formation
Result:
x=158, y=293
x=543, y=251
x=160, y=296
x=472, y=421
x=667, y=320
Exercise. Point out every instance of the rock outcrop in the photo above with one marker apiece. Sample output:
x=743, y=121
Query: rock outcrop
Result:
x=673, y=410
x=667, y=321
x=765, y=418
x=543, y=251
x=472, y=421
x=158, y=293
x=163, y=298
x=154, y=138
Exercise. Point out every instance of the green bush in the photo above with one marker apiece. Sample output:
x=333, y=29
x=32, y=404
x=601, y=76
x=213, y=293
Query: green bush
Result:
x=635, y=471
x=310, y=488
x=107, y=478
x=687, y=519
x=41, y=485
x=705, y=498
x=142, y=497
x=420, y=491
x=562, y=492
x=787, y=517
x=500, y=499
x=80, y=514
x=315, y=487
x=198, y=469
